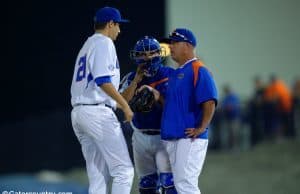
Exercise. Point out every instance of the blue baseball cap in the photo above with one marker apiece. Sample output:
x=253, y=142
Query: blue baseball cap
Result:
x=182, y=35
x=107, y=14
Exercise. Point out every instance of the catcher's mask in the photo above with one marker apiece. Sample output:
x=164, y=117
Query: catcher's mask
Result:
x=147, y=53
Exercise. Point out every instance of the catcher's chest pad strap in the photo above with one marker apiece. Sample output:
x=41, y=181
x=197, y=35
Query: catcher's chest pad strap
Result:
x=154, y=84
x=196, y=65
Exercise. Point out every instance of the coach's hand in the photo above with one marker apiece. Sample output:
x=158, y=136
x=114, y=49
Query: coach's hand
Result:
x=194, y=132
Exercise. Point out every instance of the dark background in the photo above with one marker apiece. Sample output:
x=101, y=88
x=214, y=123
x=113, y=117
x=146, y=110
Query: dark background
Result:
x=42, y=39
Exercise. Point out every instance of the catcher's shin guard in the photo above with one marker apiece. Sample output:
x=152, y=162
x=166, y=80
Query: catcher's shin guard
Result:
x=167, y=183
x=148, y=184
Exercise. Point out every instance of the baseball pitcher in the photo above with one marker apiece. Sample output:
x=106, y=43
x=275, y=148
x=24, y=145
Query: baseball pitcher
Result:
x=94, y=95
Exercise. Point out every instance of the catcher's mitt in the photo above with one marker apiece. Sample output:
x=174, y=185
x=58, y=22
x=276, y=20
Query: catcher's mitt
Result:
x=142, y=101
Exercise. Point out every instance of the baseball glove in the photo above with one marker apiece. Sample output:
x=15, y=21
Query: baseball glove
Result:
x=142, y=101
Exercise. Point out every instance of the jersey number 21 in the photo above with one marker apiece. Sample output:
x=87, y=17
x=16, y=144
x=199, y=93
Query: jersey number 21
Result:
x=81, y=69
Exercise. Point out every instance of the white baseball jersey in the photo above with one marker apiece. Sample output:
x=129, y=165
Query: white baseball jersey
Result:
x=90, y=64
x=96, y=126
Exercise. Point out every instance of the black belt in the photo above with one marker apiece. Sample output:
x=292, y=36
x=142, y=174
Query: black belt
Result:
x=96, y=104
x=151, y=132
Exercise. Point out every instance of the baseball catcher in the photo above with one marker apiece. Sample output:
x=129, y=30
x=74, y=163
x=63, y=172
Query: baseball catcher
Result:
x=150, y=157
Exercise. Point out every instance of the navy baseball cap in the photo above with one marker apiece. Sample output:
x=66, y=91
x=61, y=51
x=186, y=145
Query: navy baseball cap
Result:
x=107, y=14
x=181, y=35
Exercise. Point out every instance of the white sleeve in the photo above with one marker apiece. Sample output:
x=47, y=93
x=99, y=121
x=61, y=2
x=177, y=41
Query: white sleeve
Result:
x=101, y=60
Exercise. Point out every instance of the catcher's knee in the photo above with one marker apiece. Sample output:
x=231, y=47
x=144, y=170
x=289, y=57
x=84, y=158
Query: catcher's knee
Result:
x=148, y=184
x=167, y=183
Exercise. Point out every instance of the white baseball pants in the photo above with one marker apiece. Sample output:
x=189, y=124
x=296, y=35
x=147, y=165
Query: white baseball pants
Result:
x=149, y=154
x=186, y=158
x=104, y=149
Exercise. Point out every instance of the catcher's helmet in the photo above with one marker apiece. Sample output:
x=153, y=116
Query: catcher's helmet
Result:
x=147, y=52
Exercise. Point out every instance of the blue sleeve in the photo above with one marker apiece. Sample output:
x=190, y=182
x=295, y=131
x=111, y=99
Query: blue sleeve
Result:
x=166, y=71
x=205, y=87
x=102, y=80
